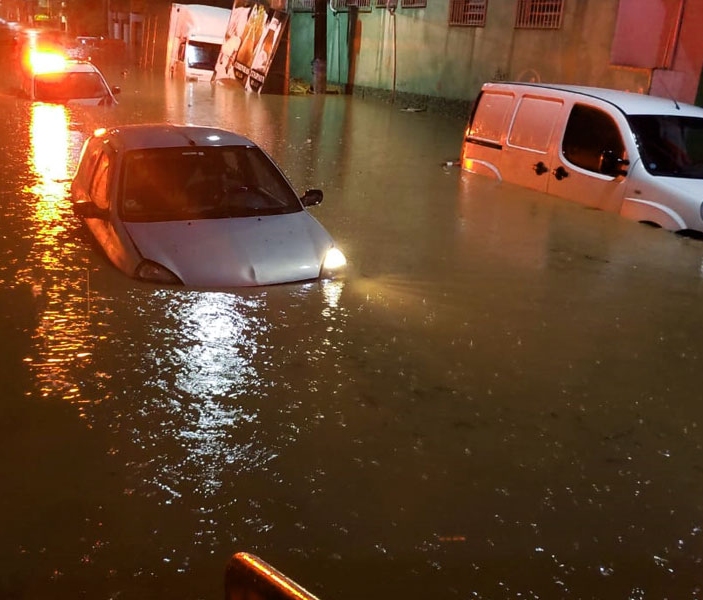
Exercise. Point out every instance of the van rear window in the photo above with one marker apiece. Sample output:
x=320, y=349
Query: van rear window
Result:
x=534, y=123
x=491, y=116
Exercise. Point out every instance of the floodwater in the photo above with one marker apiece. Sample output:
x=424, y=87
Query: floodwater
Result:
x=502, y=399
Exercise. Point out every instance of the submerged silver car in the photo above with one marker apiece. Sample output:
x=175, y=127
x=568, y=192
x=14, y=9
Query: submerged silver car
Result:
x=53, y=79
x=198, y=206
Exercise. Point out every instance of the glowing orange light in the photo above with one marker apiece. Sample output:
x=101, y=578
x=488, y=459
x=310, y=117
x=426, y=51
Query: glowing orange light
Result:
x=46, y=62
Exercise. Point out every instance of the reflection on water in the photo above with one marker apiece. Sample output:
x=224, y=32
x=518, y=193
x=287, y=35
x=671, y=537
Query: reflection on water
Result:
x=332, y=292
x=202, y=371
x=208, y=376
x=58, y=284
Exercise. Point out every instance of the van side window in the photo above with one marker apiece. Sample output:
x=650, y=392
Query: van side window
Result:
x=98, y=186
x=589, y=133
x=534, y=123
x=491, y=116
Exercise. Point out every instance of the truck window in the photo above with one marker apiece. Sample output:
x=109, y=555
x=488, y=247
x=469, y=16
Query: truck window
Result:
x=590, y=132
x=491, y=116
x=202, y=55
x=534, y=123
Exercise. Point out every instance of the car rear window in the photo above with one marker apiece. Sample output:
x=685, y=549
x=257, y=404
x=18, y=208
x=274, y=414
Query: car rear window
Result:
x=168, y=184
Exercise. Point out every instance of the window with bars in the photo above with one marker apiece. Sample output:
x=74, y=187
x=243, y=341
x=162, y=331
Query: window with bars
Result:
x=413, y=3
x=344, y=5
x=302, y=5
x=539, y=14
x=468, y=13
x=381, y=3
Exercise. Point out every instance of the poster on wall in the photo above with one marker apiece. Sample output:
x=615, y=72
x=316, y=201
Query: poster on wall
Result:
x=252, y=38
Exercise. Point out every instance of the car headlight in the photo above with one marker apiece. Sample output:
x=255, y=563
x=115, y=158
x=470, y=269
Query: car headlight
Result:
x=334, y=262
x=151, y=271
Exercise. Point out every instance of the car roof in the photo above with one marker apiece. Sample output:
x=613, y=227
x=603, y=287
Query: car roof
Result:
x=73, y=66
x=169, y=135
x=80, y=66
x=629, y=103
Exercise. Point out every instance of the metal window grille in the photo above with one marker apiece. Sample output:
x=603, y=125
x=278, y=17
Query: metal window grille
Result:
x=469, y=13
x=381, y=3
x=302, y=5
x=344, y=5
x=539, y=14
x=413, y=3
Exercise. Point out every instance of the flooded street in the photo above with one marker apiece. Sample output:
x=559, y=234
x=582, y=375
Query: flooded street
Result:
x=501, y=400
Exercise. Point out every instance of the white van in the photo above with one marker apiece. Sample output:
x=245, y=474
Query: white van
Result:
x=637, y=155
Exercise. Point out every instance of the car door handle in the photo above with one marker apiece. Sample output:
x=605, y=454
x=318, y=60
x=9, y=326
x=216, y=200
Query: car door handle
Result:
x=540, y=168
x=560, y=173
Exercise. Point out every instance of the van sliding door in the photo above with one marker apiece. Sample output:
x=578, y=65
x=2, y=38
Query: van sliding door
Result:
x=527, y=156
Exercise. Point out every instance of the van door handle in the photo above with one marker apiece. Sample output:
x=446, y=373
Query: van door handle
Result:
x=560, y=173
x=540, y=168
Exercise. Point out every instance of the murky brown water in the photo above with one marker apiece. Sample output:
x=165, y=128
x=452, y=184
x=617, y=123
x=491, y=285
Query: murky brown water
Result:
x=502, y=400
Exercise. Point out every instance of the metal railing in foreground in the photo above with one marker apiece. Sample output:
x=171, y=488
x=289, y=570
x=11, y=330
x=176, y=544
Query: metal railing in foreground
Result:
x=247, y=577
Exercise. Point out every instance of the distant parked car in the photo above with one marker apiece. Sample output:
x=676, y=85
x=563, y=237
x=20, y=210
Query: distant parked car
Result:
x=198, y=206
x=50, y=77
x=84, y=47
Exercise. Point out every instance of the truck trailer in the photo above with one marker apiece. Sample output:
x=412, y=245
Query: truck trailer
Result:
x=195, y=36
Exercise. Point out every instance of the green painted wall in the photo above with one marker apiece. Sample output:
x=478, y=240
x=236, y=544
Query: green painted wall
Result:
x=302, y=42
x=414, y=51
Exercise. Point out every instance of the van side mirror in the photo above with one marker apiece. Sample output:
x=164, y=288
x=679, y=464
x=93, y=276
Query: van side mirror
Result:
x=612, y=164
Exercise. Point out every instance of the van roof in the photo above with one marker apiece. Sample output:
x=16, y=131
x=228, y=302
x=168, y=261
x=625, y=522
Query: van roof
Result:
x=628, y=102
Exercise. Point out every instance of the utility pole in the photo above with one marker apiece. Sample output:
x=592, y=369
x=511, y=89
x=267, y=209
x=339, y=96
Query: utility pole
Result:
x=319, y=63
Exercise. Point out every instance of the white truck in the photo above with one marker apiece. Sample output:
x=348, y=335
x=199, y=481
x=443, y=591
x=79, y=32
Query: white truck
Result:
x=195, y=36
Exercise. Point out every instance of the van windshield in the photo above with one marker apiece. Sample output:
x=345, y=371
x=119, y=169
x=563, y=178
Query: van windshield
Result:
x=670, y=146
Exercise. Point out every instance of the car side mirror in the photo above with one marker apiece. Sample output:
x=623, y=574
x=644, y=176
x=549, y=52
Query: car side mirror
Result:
x=88, y=210
x=612, y=164
x=311, y=197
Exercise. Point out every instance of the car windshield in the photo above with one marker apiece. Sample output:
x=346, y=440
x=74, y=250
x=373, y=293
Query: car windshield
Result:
x=58, y=87
x=170, y=184
x=670, y=146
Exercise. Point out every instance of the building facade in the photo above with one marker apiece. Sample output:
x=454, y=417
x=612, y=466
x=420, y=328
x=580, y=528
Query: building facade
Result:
x=442, y=51
x=446, y=49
